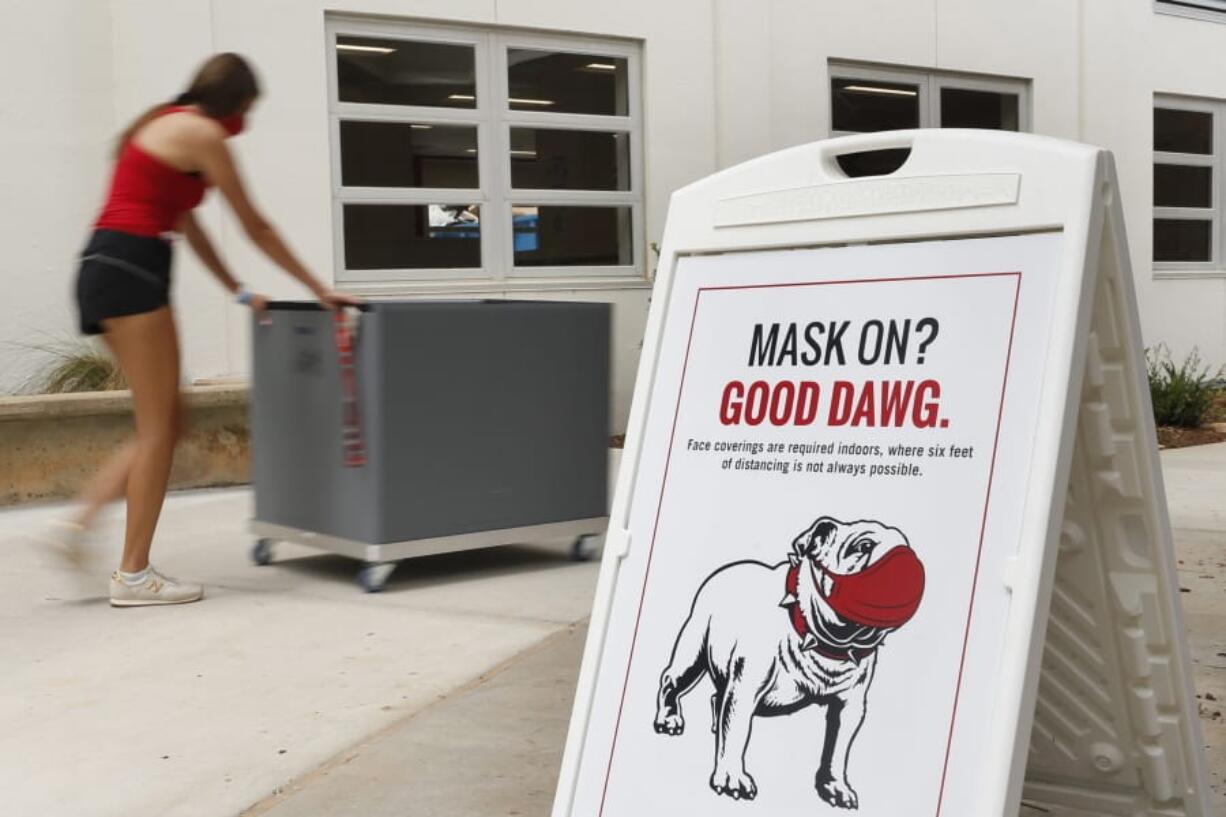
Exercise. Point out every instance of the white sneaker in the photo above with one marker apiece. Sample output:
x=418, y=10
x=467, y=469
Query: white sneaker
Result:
x=155, y=590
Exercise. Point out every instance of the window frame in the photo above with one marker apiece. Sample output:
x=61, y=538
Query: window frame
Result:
x=493, y=119
x=995, y=85
x=631, y=124
x=1216, y=265
x=875, y=73
x=930, y=84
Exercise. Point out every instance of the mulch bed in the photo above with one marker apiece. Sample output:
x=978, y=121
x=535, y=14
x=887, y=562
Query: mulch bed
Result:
x=1172, y=437
x=1217, y=409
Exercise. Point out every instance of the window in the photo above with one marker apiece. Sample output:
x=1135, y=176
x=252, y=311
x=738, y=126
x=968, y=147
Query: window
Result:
x=483, y=155
x=864, y=99
x=1188, y=149
x=1199, y=9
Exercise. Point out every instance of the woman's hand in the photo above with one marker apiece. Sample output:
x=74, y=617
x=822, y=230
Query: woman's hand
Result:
x=259, y=305
x=331, y=299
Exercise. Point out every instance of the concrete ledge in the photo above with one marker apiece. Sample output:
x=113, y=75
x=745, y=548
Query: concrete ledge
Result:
x=34, y=406
x=51, y=444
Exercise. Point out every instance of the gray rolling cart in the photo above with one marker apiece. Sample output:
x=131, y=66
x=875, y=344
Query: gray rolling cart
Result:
x=480, y=423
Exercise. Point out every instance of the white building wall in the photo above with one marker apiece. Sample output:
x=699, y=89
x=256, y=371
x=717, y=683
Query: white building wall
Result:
x=153, y=47
x=1037, y=40
x=1185, y=56
x=56, y=126
x=723, y=81
x=1128, y=55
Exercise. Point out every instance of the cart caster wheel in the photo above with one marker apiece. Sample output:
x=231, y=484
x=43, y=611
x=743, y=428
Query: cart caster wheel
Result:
x=583, y=548
x=261, y=552
x=373, y=578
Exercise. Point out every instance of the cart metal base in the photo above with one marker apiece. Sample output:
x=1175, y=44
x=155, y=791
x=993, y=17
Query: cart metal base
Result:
x=380, y=560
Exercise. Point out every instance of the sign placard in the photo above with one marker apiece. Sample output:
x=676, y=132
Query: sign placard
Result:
x=834, y=542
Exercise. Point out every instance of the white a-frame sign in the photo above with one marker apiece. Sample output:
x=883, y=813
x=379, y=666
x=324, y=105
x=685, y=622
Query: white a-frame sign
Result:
x=890, y=533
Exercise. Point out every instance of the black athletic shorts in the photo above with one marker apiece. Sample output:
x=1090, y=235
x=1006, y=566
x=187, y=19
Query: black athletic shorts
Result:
x=121, y=274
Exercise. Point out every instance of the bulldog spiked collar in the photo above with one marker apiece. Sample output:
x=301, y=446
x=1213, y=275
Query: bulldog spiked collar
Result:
x=809, y=640
x=884, y=596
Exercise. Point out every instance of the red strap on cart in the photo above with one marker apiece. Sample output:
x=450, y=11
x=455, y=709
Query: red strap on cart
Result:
x=351, y=427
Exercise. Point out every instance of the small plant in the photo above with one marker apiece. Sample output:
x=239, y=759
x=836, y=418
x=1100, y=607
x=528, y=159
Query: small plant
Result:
x=74, y=366
x=1183, y=394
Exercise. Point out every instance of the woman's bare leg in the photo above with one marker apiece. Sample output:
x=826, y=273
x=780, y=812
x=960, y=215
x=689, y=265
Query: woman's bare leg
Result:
x=106, y=486
x=111, y=481
x=147, y=348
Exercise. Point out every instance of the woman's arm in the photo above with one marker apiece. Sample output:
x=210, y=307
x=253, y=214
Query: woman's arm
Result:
x=220, y=169
x=199, y=241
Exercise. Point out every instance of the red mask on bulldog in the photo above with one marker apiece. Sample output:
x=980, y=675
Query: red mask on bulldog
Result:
x=885, y=594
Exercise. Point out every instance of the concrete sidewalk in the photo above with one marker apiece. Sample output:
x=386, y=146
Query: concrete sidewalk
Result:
x=289, y=693
x=205, y=709
x=490, y=750
x=1196, y=496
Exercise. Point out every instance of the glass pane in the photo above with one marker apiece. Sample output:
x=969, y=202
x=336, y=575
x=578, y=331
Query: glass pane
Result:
x=1183, y=186
x=412, y=236
x=568, y=235
x=399, y=154
x=546, y=159
x=1183, y=131
x=869, y=105
x=567, y=83
x=1182, y=240
x=963, y=108
x=405, y=72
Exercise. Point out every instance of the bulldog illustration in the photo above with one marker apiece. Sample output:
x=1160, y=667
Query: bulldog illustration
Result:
x=844, y=587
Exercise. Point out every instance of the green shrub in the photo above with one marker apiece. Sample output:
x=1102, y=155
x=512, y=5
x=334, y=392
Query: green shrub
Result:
x=75, y=366
x=1181, y=394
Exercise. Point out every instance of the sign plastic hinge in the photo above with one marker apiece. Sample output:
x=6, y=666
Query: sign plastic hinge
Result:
x=617, y=542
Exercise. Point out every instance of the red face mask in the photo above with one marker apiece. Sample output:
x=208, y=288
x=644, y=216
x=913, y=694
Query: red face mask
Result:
x=233, y=124
x=886, y=594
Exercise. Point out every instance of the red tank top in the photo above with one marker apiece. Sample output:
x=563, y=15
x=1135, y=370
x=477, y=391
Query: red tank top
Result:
x=147, y=196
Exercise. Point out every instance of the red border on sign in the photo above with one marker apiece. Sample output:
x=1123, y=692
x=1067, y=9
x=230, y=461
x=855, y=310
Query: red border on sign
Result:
x=982, y=526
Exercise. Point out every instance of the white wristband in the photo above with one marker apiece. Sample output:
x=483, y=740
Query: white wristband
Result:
x=243, y=296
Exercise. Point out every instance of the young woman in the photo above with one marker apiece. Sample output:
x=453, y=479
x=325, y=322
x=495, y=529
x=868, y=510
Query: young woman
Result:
x=167, y=159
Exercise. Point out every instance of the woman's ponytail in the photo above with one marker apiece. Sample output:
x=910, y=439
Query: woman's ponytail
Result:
x=222, y=86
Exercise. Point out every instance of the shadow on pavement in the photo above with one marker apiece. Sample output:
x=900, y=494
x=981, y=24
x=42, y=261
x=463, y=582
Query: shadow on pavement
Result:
x=438, y=570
